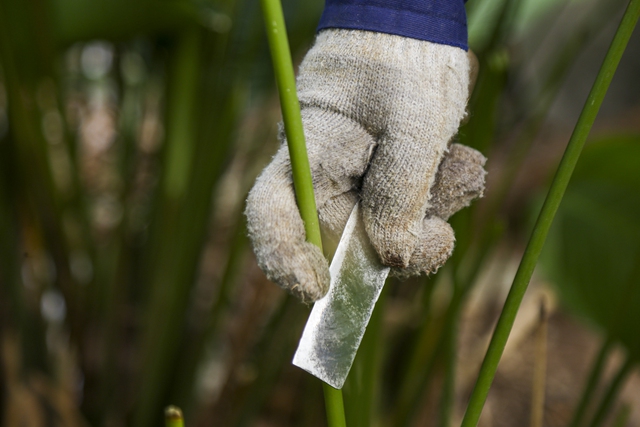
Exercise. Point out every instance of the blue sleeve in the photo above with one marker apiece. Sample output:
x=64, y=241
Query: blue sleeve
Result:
x=438, y=21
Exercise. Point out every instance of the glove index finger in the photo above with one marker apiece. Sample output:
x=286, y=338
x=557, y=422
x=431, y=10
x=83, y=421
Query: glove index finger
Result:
x=427, y=107
x=395, y=195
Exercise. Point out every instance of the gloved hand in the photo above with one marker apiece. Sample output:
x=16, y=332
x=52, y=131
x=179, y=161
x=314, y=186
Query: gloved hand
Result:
x=378, y=112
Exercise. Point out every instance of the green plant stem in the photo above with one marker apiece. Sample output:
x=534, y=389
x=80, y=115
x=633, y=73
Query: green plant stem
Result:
x=173, y=417
x=592, y=382
x=612, y=392
x=283, y=67
x=334, y=406
x=431, y=338
x=545, y=219
x=361, y=389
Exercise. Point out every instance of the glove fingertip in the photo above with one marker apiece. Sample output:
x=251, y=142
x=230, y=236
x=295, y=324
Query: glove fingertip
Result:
x=301, y=270
x=434, y=248
x=462, y=152
x=390, y=237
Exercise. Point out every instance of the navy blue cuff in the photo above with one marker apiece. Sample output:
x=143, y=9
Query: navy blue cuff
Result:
x=438, y=21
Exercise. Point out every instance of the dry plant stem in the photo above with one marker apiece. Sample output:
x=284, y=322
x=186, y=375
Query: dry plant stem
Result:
x=539, y=369
x=283, y=67
x=592, y=382
x=543, y=224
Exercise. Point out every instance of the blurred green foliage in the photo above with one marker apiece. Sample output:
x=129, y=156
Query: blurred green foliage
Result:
x=594, y=255
x=130, y=132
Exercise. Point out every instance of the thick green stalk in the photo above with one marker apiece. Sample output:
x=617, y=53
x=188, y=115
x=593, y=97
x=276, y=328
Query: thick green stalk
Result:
x=545, y=219
x=592, y=382
x=281, y=56
x=283, y=67
x=334, y=406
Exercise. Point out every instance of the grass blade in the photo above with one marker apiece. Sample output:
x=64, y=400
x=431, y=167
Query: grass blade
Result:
x=541, y=229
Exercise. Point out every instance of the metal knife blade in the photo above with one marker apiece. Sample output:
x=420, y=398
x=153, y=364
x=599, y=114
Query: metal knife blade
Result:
x=338, y=321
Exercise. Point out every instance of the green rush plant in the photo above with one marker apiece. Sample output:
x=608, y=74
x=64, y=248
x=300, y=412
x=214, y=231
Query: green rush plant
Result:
x=281, y=56
x=165, y=305
x=545, y=219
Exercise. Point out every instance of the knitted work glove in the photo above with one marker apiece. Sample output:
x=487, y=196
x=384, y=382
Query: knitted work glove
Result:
x=378, y=112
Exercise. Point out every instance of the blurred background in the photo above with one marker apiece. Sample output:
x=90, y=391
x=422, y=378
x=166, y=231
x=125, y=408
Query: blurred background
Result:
x=130, y=134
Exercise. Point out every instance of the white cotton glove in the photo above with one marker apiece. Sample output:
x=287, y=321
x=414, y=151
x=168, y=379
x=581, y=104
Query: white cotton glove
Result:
x=378, y=112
